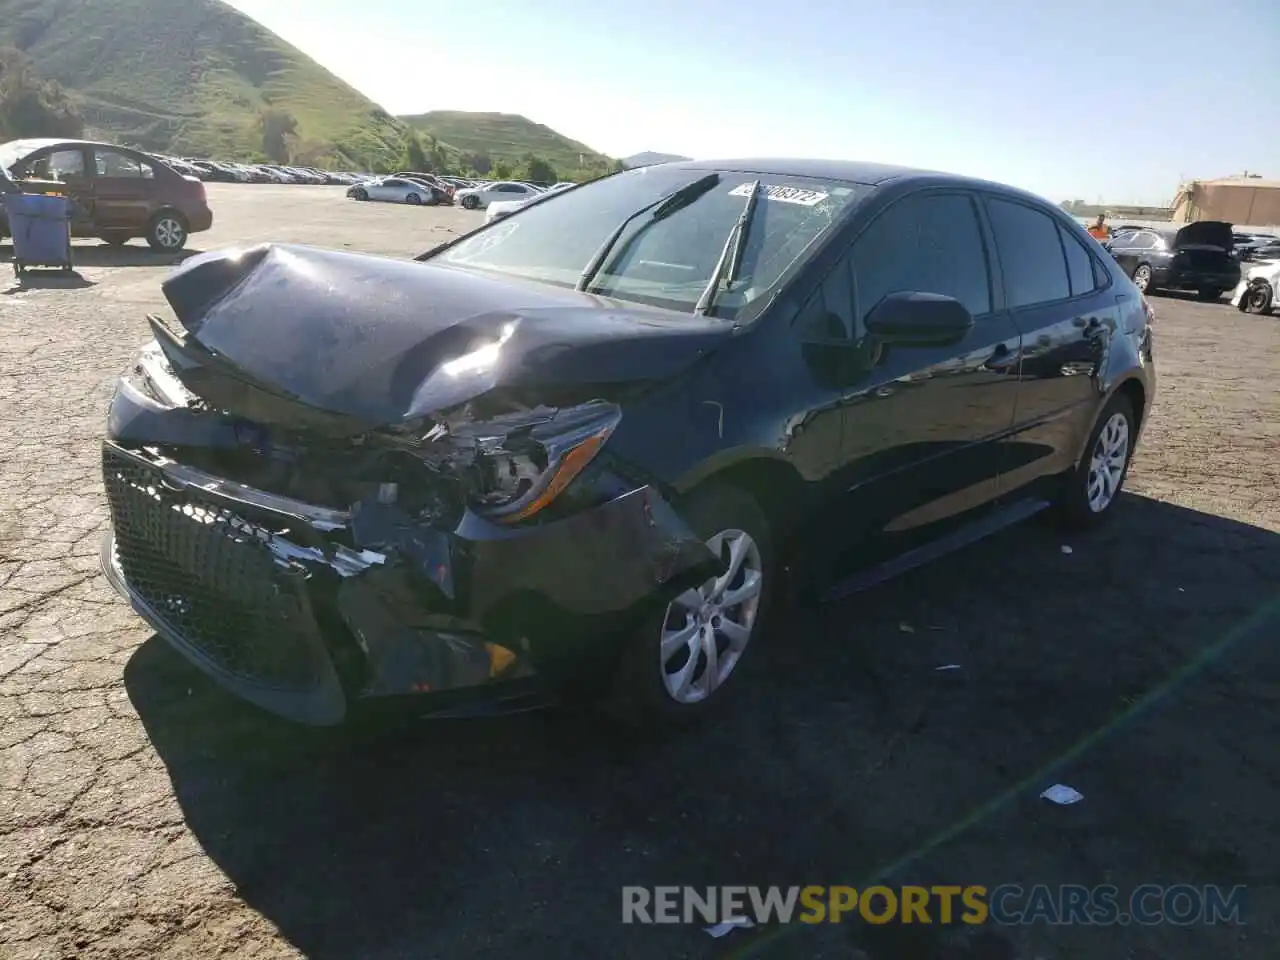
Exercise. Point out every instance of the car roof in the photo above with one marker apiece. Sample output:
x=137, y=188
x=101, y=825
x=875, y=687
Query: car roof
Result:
x=39, y=143
x=861, y=172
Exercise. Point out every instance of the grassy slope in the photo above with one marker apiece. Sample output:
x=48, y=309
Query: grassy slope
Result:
x=190, y=76
x=503, y=135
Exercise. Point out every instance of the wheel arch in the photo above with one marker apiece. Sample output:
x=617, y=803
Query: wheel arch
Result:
x=168, y=209
x=773, y=483
x=1135, y=392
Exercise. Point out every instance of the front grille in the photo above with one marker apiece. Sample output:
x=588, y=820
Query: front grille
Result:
x=211, y=577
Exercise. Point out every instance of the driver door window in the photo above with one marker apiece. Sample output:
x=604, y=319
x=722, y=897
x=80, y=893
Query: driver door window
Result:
x=61, y=165
x=927, y=243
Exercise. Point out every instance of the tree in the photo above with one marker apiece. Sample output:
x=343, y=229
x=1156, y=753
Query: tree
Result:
x=480, y=162
x=538, y=170
x=501, y=170
x=31, y=107
x=279, y=129
x=415, y=158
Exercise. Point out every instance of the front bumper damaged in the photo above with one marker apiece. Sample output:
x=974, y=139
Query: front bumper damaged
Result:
x=302, y=609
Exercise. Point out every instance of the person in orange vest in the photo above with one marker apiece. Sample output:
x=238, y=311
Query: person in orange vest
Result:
x=1100, y=231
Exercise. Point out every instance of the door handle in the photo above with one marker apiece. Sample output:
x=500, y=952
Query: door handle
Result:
x=1002, y=358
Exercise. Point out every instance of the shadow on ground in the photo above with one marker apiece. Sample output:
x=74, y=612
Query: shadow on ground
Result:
x=1134, y=663
x=37, y=279
x=136, y=254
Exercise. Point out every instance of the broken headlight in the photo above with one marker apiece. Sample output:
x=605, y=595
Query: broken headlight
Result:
x=523, y=461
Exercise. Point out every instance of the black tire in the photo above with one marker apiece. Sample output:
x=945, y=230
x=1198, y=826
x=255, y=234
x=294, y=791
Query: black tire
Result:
x=638, y=697
x=1142, y=277
x=470, y=202
x=1258, y=298
x=116, y=239
x=413, y=200
x=1209, y=294
x=1074, y=507
x=167, y=232
x=360, y=194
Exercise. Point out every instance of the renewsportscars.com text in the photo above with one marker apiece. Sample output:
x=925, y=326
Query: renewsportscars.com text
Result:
x=1007, y=904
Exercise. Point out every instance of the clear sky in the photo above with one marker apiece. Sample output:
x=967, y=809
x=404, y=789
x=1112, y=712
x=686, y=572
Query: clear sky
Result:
x=1112, y=99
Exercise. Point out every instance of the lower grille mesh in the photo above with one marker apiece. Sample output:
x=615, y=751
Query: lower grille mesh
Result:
x=211, y=577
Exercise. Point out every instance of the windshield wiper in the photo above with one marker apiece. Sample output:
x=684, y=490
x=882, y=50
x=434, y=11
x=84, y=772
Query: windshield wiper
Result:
x=662, y=207
x=730, y=261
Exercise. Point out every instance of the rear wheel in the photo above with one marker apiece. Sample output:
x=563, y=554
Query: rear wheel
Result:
x=1092, y=489
x=414, y=200
x=676, y=666
x=1209, y=294
x=1142, y=277
x=1258, y=298
x=167, y=233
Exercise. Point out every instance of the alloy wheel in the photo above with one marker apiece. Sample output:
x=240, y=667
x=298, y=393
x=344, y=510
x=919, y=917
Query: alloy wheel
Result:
x=1257, y=298
x=706, y=629
x=169, y=233
x=1142, y=277
x=1108, y=461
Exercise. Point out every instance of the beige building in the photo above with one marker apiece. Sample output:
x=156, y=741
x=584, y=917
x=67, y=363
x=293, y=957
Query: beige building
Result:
x=1248, y=201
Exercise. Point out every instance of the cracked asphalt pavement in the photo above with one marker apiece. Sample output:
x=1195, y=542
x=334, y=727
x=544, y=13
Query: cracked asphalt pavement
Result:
x=143, y=813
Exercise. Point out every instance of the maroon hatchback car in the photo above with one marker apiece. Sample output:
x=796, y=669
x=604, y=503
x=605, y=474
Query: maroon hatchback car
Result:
x=119, y=193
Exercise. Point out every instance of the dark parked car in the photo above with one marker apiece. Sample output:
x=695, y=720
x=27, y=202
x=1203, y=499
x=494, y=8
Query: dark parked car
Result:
x=1196, y=257
x=584, y=449
x=119, y=193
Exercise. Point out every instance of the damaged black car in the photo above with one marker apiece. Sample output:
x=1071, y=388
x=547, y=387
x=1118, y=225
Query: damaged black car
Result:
x=582, y=451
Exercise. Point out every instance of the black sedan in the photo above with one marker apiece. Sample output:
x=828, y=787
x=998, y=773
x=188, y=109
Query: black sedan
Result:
x=583, y=451
x=1196, y=257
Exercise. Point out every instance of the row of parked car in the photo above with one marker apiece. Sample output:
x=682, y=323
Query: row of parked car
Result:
x=500, y=196
x=1208, y=257
x=226, y=171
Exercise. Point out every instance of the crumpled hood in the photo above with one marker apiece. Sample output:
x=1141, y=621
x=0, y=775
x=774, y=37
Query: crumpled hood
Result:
x=380, y=341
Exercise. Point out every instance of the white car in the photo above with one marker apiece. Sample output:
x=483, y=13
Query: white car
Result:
x=478, y=198
x=392, y=190
x=500, y=208
x=1256, y=292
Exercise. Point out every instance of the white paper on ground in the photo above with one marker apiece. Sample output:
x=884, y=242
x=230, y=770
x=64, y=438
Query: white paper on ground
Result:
x=721, y=929
x=1060, y=793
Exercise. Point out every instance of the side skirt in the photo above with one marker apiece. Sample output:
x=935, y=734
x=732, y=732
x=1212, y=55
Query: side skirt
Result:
x=971, y=533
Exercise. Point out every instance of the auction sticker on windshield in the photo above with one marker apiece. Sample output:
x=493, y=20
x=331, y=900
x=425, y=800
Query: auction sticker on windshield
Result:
x=806, y=198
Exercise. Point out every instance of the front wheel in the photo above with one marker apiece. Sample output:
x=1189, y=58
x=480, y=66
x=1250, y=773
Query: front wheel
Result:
x=1094, y=486
x=470, y=203
x=413, y=200
x=360, y=194
x=1142, y=277
x=676, y=666
x=1258, y=298
x=167, y=233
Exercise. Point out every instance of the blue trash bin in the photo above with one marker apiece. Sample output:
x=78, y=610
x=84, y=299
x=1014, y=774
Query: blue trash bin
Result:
x=41, y=230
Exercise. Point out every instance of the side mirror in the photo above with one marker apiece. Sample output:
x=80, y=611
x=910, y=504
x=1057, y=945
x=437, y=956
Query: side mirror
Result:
x=919, y=320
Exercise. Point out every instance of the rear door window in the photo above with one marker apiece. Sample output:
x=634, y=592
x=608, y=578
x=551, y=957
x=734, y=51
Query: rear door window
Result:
x=116, y=165
x=926, y=243
x=1031, y=257
x=1079, y=263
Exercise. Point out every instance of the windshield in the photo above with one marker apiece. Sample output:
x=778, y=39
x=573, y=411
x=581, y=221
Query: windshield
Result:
x=666, y=262
x=15, y=150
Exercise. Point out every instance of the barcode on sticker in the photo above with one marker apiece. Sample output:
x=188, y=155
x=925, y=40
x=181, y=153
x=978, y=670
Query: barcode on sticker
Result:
x=806, y=198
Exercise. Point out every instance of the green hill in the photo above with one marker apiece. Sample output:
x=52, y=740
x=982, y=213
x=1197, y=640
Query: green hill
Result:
x=505, y=136
x=195, y=77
